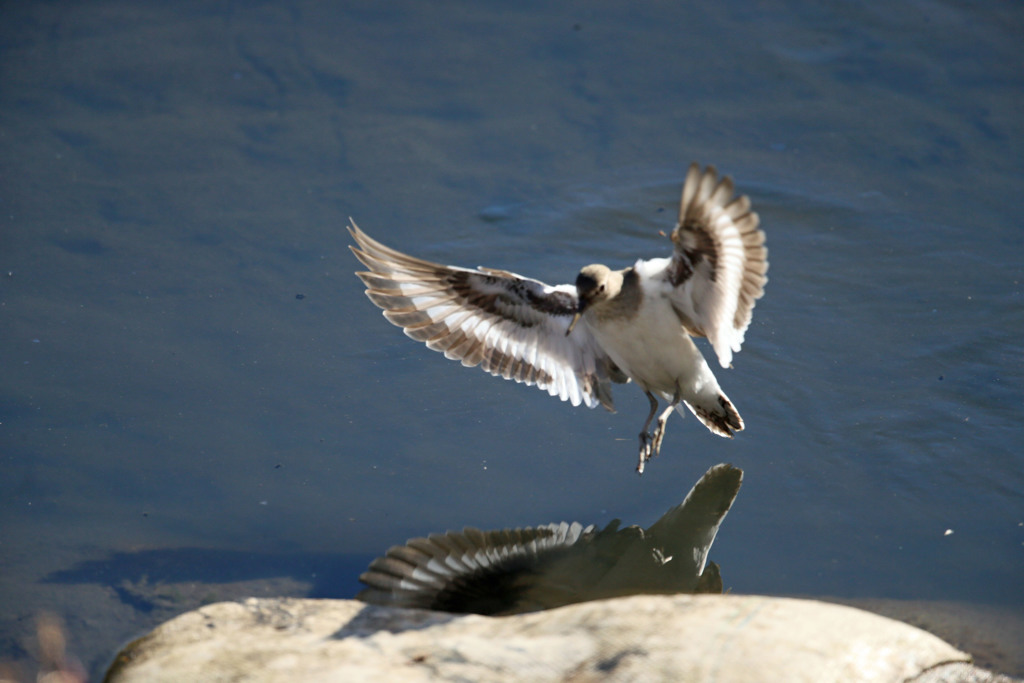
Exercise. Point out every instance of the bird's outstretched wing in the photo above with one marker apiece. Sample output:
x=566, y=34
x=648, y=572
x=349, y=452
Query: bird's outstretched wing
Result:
x=511, y=326
x=720, y=262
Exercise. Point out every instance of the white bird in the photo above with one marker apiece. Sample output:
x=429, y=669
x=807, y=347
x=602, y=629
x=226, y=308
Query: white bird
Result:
x=611, y=326
x=524, y=570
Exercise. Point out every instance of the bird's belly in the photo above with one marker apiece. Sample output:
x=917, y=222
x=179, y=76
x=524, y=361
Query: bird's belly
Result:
x=654, y=351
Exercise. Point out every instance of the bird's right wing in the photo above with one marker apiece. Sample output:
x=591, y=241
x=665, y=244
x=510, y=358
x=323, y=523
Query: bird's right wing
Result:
x=719, y=267
x=509, y=325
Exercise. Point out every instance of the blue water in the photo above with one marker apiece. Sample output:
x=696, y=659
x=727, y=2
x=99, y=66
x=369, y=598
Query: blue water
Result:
x=195, y=393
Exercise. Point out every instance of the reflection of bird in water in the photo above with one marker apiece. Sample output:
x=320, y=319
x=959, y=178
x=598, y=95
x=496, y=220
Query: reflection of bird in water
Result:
x=612, y=325
x=525, y=570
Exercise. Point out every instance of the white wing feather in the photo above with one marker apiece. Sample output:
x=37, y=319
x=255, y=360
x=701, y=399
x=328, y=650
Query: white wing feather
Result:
x=720, y=263
x=509, y=325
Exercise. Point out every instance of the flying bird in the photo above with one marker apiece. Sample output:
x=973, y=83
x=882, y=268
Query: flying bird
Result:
x=524, y=570
x=574, y=341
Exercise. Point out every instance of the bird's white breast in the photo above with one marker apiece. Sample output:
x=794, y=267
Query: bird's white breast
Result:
x=651, y=346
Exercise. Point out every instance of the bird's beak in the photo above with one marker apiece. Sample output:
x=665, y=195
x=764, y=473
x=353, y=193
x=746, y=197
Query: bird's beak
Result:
x=575, y=319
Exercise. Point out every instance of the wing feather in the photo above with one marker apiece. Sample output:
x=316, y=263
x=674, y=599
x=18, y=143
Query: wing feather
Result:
x=508, y=325
x=720, y=263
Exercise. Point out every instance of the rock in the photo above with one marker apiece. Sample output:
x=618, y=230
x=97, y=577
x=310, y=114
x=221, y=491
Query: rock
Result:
x=725, y=638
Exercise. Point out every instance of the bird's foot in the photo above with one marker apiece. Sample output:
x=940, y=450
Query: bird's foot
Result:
x=650, y=445
x=645, y=452
x=650, y=442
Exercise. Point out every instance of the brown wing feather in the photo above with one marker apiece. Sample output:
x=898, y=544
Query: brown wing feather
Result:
x=510, y=326
x=720, y=262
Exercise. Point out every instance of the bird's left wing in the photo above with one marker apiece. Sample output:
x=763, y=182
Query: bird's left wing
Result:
x=718, y=270
x=509, y=325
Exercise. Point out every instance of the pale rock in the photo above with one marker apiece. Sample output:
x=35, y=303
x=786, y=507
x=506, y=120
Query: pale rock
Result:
x=681, y=638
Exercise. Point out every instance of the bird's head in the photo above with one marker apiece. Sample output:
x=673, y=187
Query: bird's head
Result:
x=594, y=284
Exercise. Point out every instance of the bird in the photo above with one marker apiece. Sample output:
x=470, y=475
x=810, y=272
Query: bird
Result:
x=513, y=571
x=611, y=326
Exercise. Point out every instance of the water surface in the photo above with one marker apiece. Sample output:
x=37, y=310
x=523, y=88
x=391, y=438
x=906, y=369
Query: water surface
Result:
x=197, y=402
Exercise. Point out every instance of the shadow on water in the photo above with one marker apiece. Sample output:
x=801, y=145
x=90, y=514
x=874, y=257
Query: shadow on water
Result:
x=537, y=568
x=493, y=572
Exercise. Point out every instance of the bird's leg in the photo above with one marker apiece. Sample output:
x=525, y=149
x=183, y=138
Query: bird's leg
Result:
x=659, y=431
x=647, y=450
x=650, y=442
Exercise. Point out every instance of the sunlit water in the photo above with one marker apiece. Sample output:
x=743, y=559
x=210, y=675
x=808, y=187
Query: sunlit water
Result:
x=198, y=402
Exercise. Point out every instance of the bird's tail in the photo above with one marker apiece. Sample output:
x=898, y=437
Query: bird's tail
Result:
x=716, y=412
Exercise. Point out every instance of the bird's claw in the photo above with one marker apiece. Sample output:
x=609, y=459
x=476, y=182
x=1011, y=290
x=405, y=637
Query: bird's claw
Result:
x=645, y=452
x=650, y=443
